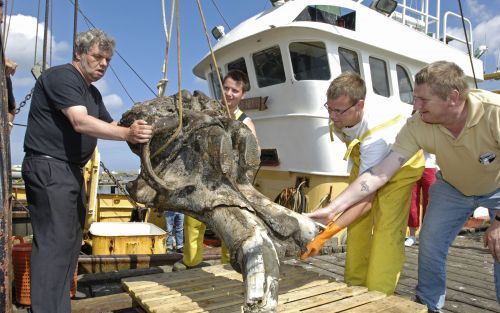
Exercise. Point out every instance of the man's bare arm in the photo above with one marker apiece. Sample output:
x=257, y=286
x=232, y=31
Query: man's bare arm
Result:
x=138, y=132
x=366, y=184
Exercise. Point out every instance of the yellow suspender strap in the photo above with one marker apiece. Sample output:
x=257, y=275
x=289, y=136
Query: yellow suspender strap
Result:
x=370, y=132
x=330, y=129
x=237, y=113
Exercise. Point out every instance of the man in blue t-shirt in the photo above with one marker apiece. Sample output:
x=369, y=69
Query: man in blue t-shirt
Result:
x=66, y=117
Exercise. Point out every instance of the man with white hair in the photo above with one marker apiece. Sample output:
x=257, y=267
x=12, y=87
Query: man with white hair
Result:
x=66, y=117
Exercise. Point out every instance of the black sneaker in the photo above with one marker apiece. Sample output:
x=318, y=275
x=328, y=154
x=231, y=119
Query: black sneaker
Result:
x=180, y=250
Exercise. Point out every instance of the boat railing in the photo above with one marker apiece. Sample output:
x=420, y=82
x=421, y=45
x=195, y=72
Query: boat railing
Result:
x=423, y=20
x=420, y=19
x=447, y=37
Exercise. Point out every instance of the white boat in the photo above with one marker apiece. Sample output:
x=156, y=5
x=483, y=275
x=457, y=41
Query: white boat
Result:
x=293, y=50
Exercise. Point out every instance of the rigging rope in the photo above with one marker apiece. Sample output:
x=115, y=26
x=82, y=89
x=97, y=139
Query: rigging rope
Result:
x=179, y=97
x=222, y=16
x=229, y=114
x=7, y=27
x=293, y=198
x=121, y=83
x=91, y=25
x=118, y=184
x=162, y=84
x=36, y=33
x=45, y=34
x=51, y=27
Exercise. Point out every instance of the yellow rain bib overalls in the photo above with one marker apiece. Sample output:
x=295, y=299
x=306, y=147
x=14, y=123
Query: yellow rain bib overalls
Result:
x=375, y=241
x=194, y=231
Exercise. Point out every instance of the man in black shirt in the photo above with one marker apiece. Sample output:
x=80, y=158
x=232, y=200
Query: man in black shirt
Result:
x=66, y=117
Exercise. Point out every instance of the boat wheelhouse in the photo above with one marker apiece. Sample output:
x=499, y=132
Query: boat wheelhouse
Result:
x=292, y=51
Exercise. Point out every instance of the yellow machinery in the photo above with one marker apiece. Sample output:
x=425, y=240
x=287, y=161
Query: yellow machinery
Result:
x=101, y=207
x=316, y=191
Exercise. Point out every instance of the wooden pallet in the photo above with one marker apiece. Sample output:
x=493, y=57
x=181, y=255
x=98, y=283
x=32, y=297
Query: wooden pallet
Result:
x=219, y=288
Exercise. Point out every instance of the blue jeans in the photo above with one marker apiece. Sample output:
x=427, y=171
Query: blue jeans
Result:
x=446, y=214
x=175, y=226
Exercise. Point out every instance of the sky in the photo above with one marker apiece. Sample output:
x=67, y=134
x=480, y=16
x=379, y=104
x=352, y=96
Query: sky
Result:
x=137, y=27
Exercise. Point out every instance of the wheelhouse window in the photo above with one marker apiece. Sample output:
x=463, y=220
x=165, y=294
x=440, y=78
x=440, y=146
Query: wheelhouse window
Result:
x=328, y=14
x=309, y=60
x=349, y=61
x=268, y=66
x=214, y=84
x=238, y=64
x=404, y=85
x=380, y=79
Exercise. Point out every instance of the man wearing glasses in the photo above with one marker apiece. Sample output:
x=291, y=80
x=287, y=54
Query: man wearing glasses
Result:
x=375, y=241
x=67, y=115
x=462, y=128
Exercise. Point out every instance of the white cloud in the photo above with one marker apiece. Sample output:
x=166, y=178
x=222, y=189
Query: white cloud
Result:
x=112, y=102
x=485, y=33
x=479, y=11
x=488, y=32
x=21, y=43
x=102, y=85
x=23, y=82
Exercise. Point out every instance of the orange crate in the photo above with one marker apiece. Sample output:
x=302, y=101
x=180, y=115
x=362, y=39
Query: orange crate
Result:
x=21, y=255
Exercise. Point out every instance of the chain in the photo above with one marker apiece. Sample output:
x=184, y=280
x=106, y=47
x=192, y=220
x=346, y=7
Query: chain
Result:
x=14, y=199
x=119, y=185
x=26, y=99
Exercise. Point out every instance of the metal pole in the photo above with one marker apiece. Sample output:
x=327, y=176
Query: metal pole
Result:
x=75, y=25
x=45, y=34
x=5, y=196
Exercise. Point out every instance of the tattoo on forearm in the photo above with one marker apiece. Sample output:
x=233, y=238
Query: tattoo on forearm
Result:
x=364, y=186
x=401, y=161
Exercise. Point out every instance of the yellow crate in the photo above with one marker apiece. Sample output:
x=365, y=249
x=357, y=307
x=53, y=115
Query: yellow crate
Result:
x=126, y=238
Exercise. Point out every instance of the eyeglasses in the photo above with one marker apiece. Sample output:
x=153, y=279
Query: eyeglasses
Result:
x=337, y=111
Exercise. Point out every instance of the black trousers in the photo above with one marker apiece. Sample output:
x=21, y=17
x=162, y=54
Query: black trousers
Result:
x=56, y=201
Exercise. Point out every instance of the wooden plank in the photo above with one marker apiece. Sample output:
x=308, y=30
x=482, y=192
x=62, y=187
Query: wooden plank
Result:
x=461, y=307
x=348, y=303
x=287, y=296
x=188, y=289
x=183, y=291
x=391, y=304
x=309, y=267
x=321, y=299
x=192, y=283
x=201, y=274
x=205, y=305
x=460, y=281
x=215, y=270
x=114, y=302
x=308, y=292
x=145, y=284
x=319, y=263
x=483, y=270
x=229, y=309
x=223, y=294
